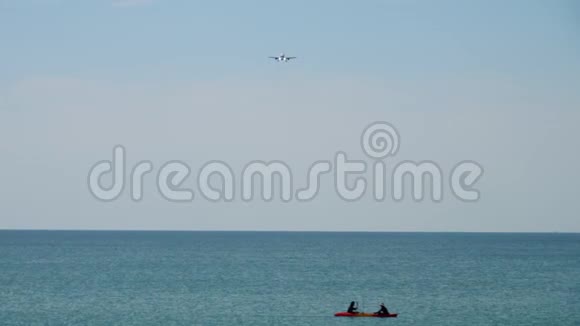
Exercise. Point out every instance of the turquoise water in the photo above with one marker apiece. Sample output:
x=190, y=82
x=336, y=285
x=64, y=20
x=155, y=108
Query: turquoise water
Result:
x=253, y=278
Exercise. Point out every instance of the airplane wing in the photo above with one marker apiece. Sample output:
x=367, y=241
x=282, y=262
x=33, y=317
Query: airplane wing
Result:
x=290, y=58
x=273, y=57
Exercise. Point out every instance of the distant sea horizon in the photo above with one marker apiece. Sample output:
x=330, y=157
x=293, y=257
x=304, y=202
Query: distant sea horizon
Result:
x=289, y=231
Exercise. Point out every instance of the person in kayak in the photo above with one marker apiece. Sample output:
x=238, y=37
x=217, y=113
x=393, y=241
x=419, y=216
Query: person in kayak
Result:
x=383, y=310
x=352, y=308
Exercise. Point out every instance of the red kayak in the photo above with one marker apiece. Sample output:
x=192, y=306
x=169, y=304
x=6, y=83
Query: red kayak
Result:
x=364, y=314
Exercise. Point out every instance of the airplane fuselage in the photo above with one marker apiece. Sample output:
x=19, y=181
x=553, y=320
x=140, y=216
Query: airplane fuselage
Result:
x=282, y=58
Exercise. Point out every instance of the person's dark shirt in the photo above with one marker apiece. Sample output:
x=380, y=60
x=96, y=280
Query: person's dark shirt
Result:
x=351, y=308
x=383, y=310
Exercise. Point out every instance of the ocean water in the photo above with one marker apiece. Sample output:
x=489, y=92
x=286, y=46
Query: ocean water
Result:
x=277, y=278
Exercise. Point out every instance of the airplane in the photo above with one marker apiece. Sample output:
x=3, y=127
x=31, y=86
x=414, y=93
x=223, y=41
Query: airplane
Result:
x=282, y=58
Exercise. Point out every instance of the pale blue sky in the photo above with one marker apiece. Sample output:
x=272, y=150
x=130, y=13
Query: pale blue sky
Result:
x=491, y=81
x=205, y=39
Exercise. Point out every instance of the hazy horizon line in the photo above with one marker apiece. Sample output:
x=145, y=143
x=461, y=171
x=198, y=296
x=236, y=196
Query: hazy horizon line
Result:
x=285, y=231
